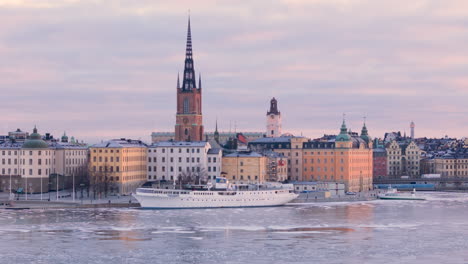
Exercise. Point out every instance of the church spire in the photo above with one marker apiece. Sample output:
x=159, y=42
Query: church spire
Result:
x=189, y=71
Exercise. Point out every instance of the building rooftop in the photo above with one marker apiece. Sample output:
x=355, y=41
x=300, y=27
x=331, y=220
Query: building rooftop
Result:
x=200, y=144
x=120, y=143
x=273, y=140
x=214, y=151
x=245, y=154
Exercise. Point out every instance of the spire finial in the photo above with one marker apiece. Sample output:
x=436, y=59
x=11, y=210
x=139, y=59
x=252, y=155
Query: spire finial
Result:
x=178, y=81
x=199, y=81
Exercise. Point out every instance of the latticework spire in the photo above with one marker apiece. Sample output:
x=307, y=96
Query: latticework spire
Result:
x=189, y=70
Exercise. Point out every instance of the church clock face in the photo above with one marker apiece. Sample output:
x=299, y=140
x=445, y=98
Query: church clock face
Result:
x=185, y=120
x=272, y=116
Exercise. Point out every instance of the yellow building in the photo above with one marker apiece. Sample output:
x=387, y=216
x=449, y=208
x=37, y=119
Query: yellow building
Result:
x=244, y=167
x=117, y=166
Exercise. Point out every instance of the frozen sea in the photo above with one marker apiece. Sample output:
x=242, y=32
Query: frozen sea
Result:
x=431, y=231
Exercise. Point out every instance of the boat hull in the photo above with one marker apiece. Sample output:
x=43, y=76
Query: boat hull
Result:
x=172, y=199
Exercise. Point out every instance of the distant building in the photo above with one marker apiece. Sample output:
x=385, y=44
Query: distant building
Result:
x=171, y=160
x=117, y=166
x=245, y=167
x=412, y=126
x=273, y=119
x=18, y=135
x=346, y=158
x=403, y=159
x=379, y=163
x=450, y=165
x=223, y=137
x=37, y=165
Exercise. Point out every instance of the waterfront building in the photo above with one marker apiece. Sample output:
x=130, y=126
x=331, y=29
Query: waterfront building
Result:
x=117, y=166
x=245, y=167
x=277, y=166
x=288, y=146
x=403, y=159
x=273, y=119
x=171, y=160
x=379, y=164
x=449, y=165
x=189, y=119
x=346, y=158
x=37, y=165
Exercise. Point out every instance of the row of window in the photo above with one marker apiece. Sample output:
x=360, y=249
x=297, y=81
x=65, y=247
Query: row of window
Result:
x=163, y=150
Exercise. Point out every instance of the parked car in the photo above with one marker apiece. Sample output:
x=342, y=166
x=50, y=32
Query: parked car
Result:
x=351, y=193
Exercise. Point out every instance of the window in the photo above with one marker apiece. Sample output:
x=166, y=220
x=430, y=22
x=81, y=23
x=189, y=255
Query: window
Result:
x=186, y=106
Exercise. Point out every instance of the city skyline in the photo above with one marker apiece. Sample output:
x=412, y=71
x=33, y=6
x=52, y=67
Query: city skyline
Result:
x=64, y=72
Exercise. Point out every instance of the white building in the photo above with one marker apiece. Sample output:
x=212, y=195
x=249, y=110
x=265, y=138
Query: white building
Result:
x=273, y=120
x=171, y=159
x=29, y=166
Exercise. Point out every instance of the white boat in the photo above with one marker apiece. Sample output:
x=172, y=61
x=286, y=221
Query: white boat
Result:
x=221, y=195
x=393, y=194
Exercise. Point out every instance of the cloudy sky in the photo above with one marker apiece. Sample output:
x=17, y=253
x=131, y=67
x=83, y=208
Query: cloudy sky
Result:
x=102, y=69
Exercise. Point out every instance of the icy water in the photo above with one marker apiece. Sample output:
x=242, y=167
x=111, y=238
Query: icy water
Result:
x=432, y=231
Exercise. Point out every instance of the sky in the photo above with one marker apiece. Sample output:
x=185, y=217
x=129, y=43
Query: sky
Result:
x=102, y=69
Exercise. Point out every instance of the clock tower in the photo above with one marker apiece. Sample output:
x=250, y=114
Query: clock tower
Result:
x=273, y=120
x=189, y=123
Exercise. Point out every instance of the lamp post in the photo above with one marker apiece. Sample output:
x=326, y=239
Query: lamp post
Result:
x=82, y=186
x=50, y=186
x=41, y=187
x=26, y=188
x=10, y=183
x=57, y=181
x=73, y=175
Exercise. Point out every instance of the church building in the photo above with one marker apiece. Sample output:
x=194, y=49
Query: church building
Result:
x=189, y=123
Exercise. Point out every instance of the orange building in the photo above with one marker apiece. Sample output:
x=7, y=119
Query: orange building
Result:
x=348, y=160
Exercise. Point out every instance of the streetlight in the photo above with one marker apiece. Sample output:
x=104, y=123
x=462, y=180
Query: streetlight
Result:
x=57, y=180
x=73, y=175
x=41, y=187
x=82, y=186
x=50, y=186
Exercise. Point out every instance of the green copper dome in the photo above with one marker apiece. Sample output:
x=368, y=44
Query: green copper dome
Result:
x=343, y=136
x=35, y=141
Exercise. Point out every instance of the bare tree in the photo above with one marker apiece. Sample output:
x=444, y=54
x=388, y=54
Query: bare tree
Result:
x=99, y=181
x=198, y=176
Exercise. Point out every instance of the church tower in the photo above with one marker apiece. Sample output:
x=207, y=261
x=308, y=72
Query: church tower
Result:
x=189, y=123
x=273, y=120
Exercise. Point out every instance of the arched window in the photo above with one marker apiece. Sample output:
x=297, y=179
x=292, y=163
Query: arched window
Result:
x=186, y=132
x=186, y=105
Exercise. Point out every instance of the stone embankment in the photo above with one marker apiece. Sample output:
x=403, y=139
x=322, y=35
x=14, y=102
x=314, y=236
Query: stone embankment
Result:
x=320, y=198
